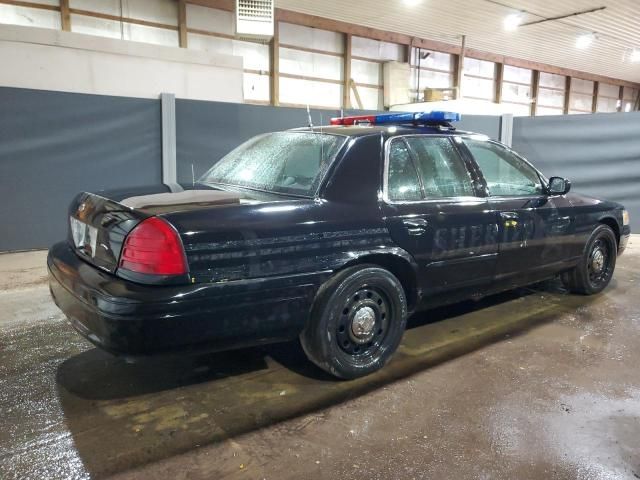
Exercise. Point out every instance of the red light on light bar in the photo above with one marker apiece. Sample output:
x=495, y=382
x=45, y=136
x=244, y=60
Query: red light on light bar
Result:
x=354, y=120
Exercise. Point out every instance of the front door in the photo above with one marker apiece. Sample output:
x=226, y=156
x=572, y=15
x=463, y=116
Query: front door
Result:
x=533, y=226
x=433, y=210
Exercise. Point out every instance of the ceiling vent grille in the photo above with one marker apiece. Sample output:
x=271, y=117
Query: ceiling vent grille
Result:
x=254, y=18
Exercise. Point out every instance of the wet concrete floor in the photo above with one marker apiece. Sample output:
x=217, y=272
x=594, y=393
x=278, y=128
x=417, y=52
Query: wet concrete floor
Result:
x=530, y=384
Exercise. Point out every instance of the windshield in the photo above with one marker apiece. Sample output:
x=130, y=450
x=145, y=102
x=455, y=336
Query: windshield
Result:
x=281, y=162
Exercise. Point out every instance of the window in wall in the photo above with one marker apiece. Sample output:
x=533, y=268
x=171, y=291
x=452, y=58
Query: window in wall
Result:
x=436, y=71
x=551, y=94
x=581, y=96
x=630, y=99
x=505, y=173
x=478, y=81
x=608, y=98
x=516, y=89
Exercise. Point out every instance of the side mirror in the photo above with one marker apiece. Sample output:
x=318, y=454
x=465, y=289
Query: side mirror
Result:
x=558, y=186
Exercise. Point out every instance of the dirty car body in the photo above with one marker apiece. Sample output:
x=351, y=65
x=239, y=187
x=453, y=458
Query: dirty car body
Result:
x=257, y=256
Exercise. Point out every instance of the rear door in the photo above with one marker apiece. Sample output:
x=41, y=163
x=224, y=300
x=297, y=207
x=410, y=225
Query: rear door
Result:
x=433, y=209
x=533, y=226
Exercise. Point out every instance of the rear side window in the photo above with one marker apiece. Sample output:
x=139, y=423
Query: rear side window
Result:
x=440, y=168
x=403, y=179
x=424, y=168
x=505, y=173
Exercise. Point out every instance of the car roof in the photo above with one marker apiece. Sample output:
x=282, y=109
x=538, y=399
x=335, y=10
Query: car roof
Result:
x=389, y=130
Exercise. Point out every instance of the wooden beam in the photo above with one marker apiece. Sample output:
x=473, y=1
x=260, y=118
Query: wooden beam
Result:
x=594, y=101
x=274, y=57
x=65, y=16
x=498, y=85
x=535, y=91
x=567, y=95
x=355, y=93
x=182, y=23
x=621, y=99
x=402, y=39
x=346, y=72
x=459, y=72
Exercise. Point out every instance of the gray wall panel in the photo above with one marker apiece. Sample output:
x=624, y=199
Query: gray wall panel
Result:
x=206, y=131
x=599, y=153
x=54, y=145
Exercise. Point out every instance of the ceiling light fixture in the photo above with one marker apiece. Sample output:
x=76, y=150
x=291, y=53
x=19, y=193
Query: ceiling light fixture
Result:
x=634, y=56
x=583, y=41
x=512, y=22
x=412, y=3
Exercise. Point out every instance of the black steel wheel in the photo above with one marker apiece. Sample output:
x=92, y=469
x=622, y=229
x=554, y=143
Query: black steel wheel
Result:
x=357, y=322
x=596, y=267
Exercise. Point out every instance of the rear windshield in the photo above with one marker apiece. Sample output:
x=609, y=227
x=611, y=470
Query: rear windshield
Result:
x=281, y=162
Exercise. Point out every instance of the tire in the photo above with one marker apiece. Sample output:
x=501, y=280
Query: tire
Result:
x=594, y=271
x=348, y=344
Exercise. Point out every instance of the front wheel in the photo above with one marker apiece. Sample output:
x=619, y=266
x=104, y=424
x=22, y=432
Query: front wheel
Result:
x=597, y=264
x=357, y=322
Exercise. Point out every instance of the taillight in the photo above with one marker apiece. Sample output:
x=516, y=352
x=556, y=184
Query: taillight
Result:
x=153, y=247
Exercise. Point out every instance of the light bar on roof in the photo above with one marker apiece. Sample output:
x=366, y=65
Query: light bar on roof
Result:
x=434, y=117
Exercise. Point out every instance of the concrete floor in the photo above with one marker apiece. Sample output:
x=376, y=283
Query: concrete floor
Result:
x=530, y=384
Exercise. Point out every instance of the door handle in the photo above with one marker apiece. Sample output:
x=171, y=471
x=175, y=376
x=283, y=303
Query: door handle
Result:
x=415, y=226
x=509, y=219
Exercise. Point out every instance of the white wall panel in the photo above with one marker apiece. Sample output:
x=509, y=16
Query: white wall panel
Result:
x=582, y=86
x=64, y=61
x=548, y=111
x=430, y=79
x=516, y=93
x=29, y=17
x=209, y=19
x=371, y=98
x=256, y=87
x=368, y=48
x=54, y=3
x=437, y=60
x=579, y=101
x=297, y=62
x=550, y=98
x=480, y=68
x=366, y=72
x=606, y=104
x=552, y=80
x=96, y=26
x=307, y=37
x=516, y=74
x=519, y=110
x=608, y=90
x=303, y=92
x=255, y=56
x=159, y=11
x=157, y=36
x=478, y=88
x=110, y=7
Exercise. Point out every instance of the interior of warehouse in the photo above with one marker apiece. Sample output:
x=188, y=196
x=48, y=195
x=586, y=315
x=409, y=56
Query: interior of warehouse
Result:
x=115, y=113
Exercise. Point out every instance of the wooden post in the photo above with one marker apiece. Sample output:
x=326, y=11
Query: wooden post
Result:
x=567, y=95
x=621, y=99
x=460, y=67
x=499, y=78
x=65, y=15
x=594, y=101
x=274, y=53
x=535, y=89
x=182, y=23
x=346, y=72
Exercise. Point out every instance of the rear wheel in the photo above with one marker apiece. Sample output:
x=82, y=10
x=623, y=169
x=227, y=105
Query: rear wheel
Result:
x=357, y=322
x=597, y=264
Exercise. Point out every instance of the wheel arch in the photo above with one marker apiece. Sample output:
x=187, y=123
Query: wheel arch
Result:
x=400, y=264
x=613, y=224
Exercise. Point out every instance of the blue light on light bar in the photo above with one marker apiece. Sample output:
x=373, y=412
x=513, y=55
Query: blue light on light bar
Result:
x=402, y=117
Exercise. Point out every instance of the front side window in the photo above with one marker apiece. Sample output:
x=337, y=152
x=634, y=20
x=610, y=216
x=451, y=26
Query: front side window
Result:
x=424, y=167
x=280, y=162
x=505, y=173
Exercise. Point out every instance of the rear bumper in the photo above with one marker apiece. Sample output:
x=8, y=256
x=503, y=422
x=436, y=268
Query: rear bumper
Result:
x=132, y=319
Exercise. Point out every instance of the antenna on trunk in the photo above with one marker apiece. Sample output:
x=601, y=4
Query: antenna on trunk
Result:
x=309, y=116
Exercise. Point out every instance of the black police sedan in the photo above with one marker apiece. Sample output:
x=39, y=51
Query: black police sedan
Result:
x=333, y=234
